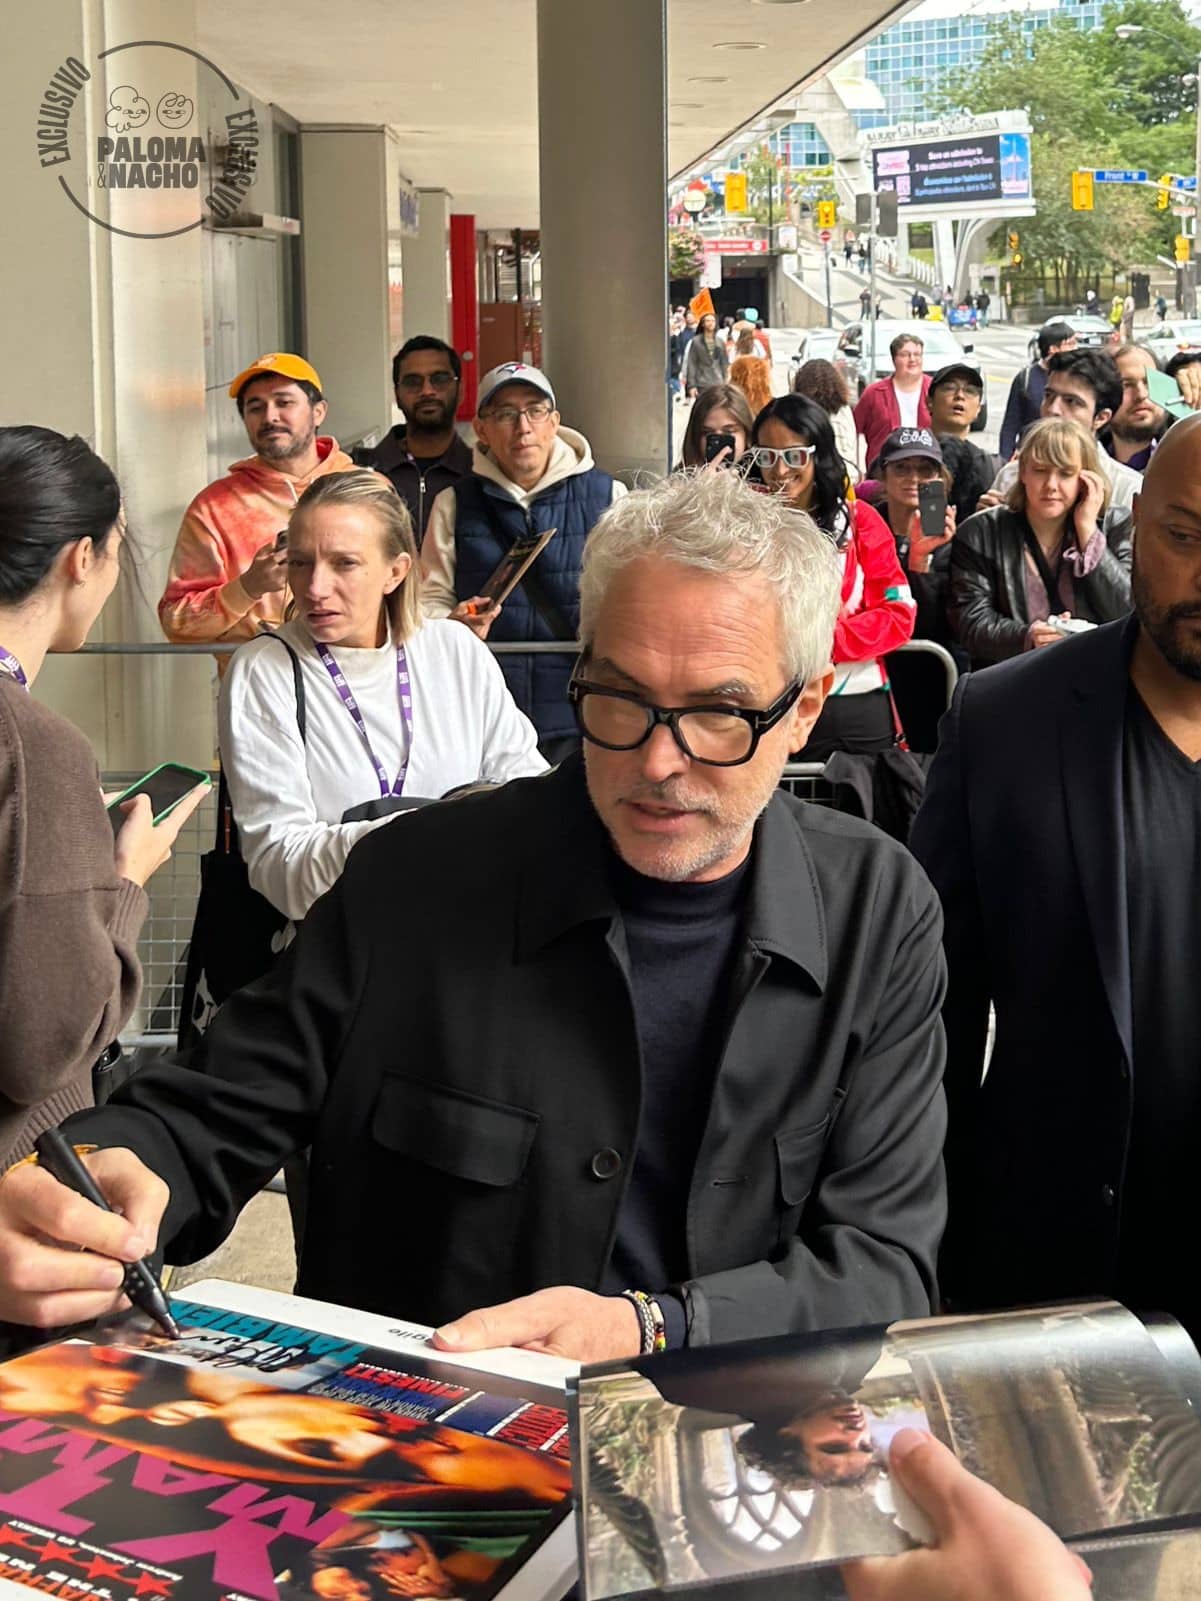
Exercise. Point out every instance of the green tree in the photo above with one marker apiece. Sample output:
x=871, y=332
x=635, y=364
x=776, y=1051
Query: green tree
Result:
x=1094, y=100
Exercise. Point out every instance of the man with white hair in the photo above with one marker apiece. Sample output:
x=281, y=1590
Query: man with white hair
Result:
x=642, y=1052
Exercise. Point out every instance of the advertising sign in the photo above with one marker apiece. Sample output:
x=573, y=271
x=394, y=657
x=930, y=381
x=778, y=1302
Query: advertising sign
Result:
x=965, y=168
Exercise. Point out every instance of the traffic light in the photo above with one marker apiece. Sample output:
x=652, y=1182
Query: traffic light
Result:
x=1016, y=259
x=827, y=214
x=1163, y=193
x=1082, y=191
x=1011, y=239
x=1184, y=247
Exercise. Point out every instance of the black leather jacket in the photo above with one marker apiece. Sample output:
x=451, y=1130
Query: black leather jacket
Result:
x=987, y=607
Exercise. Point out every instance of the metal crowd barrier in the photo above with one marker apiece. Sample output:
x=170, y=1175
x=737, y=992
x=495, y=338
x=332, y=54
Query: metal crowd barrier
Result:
x=174, y=889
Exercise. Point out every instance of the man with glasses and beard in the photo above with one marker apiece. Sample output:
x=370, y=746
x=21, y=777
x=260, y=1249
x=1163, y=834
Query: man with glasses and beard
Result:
x=423, y=455
x=640, y=1052
x=1062, y=830
x=229, y=568
x=529, y=475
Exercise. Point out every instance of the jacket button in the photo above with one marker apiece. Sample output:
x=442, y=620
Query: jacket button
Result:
x=1123, y=1071
x=1107, y=1194
x=606, y=1164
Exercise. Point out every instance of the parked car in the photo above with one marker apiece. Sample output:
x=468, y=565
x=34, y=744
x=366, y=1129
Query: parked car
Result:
x=818, y=344
x=940, y=348
x=1091, y=331
x=1169, y=338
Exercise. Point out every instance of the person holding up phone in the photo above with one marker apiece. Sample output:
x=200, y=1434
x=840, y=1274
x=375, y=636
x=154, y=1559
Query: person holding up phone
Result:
x=794, y=454
x=1020, y=570
x=71, y=898
x=915, y=485
x=719, y=428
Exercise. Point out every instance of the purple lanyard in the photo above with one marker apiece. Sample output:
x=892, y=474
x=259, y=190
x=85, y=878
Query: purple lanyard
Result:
x=10, y=665
x=403, y=695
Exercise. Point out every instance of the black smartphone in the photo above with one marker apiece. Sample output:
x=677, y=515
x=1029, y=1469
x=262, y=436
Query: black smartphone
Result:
x=166, y=786
x=716, y=443
x=932, y=507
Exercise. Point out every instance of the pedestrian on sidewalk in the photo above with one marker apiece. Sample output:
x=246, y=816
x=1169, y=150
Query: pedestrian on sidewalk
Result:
x=983, y=302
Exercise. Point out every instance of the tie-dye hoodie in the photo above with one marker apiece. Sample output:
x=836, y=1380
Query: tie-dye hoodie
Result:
x=221, y=531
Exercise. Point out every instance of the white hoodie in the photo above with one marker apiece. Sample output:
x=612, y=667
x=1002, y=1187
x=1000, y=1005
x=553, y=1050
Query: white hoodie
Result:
x=570, y=454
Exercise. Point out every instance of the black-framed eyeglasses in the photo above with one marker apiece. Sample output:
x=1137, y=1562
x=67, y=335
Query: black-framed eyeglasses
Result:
x=413, y=382
x=719, y=736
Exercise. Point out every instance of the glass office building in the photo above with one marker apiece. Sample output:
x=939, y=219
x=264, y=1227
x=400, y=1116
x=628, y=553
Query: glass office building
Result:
x=908, y=61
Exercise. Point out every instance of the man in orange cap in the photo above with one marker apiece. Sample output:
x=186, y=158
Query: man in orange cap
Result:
x=228, y=574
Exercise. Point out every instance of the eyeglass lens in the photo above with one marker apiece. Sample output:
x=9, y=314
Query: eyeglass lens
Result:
x=704, y=735
x=414, y=381
x=507, y=415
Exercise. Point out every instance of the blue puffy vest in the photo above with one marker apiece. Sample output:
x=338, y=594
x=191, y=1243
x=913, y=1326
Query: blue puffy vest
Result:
x=487, y=521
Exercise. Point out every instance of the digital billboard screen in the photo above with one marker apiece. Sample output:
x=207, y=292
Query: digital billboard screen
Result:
x=956, y=171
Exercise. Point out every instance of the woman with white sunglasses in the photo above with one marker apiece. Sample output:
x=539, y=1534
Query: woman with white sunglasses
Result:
x=793, y=454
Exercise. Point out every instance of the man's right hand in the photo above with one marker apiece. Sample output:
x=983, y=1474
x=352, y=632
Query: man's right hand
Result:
x=61, y=1258
x=267, y=573
x=478, y=613
x=988, y=499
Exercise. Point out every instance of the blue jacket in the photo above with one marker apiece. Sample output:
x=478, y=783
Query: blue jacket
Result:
x=487, y=521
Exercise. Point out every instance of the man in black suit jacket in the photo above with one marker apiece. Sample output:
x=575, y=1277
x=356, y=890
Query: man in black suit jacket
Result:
x=1062, y=830
x=644, y=1023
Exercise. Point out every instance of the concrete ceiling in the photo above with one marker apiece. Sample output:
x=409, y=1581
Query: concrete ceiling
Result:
x=457, y=79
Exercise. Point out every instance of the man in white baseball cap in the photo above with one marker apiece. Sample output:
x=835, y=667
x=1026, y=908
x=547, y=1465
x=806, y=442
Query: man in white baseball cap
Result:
x=529, y=474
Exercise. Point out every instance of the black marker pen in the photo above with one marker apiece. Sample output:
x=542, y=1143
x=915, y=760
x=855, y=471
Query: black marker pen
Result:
x=141, y=1285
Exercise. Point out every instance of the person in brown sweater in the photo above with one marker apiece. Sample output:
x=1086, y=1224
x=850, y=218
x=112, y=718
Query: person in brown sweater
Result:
x=71, y=898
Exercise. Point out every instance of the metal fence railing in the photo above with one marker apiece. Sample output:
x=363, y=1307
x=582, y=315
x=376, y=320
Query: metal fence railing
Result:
x=175, y=888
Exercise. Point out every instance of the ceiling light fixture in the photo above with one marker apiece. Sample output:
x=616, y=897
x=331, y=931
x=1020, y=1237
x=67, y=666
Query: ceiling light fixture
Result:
x=708, y=80
x=740, y=44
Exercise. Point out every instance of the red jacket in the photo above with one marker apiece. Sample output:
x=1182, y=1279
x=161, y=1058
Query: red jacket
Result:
x=878, y=611
x=877, y=414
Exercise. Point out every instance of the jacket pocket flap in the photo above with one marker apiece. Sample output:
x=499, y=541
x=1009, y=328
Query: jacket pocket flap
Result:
x=482, y=1141
x=798, y=1152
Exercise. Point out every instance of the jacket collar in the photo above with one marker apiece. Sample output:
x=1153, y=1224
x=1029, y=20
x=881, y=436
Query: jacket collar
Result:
x=393, y=451
x=1091, y=736
x=784, y=916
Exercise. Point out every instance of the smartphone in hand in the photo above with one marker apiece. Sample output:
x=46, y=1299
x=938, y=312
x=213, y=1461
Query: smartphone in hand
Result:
x=717, y=442
x=166, y=786
x=932, y=508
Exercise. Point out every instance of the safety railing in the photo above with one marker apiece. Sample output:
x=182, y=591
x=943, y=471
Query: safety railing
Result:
x=175, y=888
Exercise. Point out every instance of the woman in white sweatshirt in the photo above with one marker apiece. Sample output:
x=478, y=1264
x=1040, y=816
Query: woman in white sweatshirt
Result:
x=394, y=708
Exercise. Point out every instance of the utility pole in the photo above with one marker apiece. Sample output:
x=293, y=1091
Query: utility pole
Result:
x=873, y=252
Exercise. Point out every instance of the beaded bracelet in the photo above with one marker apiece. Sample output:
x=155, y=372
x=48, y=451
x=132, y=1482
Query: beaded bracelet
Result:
x=32, y=1159
x=650, y=1320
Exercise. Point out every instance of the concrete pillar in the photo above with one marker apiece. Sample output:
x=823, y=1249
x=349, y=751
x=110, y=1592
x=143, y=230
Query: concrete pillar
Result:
x=604, y=223
x=348, y=207
x=104, y=336
x=426, y=266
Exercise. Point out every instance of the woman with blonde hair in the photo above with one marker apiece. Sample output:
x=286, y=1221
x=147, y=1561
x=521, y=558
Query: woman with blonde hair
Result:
x=356, y=706
x=1028, y=573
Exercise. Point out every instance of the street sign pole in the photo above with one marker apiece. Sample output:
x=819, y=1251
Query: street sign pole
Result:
x=829, y=298
x=873, y=245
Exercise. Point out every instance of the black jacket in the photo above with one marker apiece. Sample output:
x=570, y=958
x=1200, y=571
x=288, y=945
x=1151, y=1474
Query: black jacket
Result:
x=417, y=482
x=986, y=606
x=1021, y=833
x=453, y=1033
